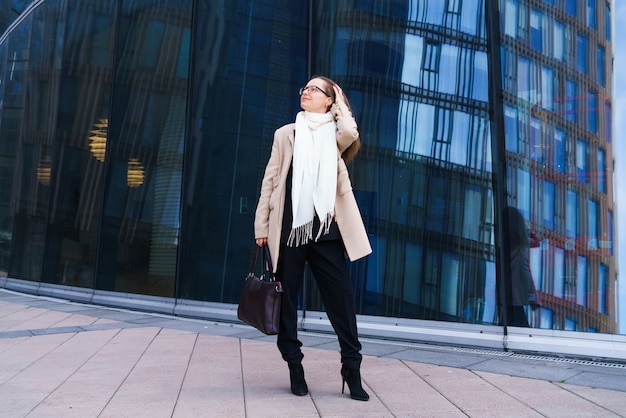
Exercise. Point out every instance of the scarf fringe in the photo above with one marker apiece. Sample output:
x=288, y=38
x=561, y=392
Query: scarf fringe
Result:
x=304, y=233
x=300, y=235
x=324, y=225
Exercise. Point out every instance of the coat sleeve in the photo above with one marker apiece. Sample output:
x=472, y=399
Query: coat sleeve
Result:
x=347, y=130
x=270, y=178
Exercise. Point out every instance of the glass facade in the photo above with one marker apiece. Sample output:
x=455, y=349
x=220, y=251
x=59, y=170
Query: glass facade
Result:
x=134, y=135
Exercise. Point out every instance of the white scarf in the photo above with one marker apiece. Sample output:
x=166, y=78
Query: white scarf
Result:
x=314, y=178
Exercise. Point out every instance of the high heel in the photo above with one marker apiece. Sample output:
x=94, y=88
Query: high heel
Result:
x=296, y=376
x=353, y=378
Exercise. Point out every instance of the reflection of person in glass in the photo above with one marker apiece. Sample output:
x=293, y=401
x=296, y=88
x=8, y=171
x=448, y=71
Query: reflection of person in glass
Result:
x=307, y=212
x=522, y=286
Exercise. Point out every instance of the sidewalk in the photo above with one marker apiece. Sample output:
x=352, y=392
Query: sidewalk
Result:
x=62, y=359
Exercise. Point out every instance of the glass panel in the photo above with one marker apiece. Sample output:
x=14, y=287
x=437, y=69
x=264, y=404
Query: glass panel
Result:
x=582, y=169
x=592, y=225
x=523, y=79
x=141, y=208
x=600, y=65
x=603, y=287
x=480, y=90
x=109, y=151
x=607, y=22
x=510, y=128
x=56, y=99
x=559, y=151
x=559, y=41
x=510, y=18
x=581, y=282
x=571, y=101
x=536, y=30
x=449, y=58
x=547, y=89
x=571, y=218
x=571, y=7
x=581, y=53
x=559, y=273
x=602, y=171
x=591, y=13
x=592, y=112
x=549, y=197
x=419, y=197
x=608, y=122
x=610, y=234
x=249, y=66
x=24, y=149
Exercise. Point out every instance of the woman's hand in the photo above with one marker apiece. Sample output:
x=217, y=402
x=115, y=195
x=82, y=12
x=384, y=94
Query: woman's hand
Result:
x=339, y=107
x=261, y=241
x=339, y=100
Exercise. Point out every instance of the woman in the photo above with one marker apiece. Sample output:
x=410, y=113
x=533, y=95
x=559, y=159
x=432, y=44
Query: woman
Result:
x=522, y=285
x=307, y=213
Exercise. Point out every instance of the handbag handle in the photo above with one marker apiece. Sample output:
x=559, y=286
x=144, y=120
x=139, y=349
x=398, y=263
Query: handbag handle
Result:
x=266, y=263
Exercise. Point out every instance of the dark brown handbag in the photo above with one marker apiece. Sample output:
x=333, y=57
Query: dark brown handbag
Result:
x=260, y=301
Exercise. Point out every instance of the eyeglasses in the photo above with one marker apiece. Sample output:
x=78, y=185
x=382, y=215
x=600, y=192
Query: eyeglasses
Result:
x=312, y=89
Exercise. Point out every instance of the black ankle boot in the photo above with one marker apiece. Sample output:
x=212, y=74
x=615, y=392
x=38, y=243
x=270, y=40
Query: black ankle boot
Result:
x=353, y=378
x=296, y=375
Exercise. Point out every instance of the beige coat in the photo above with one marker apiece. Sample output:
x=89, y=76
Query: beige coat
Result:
x=269, y=211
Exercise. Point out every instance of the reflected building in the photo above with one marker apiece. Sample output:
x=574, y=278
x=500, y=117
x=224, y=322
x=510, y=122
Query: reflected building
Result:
x=134, y=134
x=557, y=67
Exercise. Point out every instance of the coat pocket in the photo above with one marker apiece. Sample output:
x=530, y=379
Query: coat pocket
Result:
x=344, y=185
x=274, y=194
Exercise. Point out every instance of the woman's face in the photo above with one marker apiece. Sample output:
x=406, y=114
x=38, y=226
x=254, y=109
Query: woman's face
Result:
x=315, y=96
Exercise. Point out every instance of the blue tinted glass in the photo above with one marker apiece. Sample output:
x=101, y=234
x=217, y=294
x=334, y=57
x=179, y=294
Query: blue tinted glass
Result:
x=150, y=44
x=524, y=192
x=245, y=81
x=473, y=17
x=547, y=89
x=115, y=149
x=571, y=216
x=591, y=13
x=537, y=145
x=571, y=7
x=571, y=100
x=480, y=88
x=548, y=204
x=536, y=30
x=592, y=228
x=581, y=161
x=607, y=22
x=559, y=272
x=511, y=18
x=523, y=78
x=602, y=171
x=582, y=281
x=559, y=41
x=437, y=205
x=510, y=128
x=592, y=112
x=608, y=122
x=581, y=53
x=559, y=151
x=610, y=235
x=449, y=82
x=182, y=67
x=600, y=67
x=603, y=289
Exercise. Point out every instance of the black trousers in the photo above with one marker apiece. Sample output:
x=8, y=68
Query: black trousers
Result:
x=328, y=264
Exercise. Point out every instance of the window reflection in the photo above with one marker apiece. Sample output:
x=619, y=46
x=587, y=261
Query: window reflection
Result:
x=130, y=160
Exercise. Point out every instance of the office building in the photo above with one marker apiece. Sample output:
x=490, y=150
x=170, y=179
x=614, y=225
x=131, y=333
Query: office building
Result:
x=134, y=135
